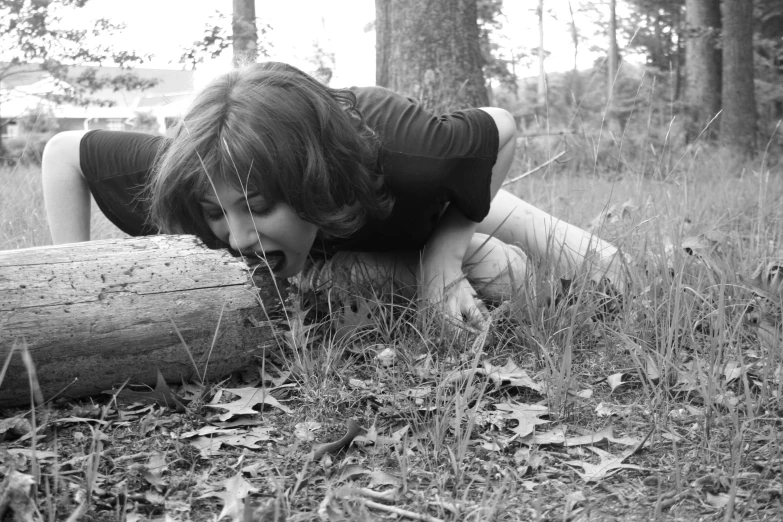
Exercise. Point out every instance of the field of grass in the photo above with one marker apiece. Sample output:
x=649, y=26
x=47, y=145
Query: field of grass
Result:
x=666, y=408
x=22, y=215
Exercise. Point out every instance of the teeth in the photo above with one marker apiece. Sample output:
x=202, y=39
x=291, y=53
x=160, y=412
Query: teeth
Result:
x=280, y=263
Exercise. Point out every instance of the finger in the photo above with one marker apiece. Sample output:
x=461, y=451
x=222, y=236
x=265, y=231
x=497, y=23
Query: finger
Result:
x=477, y=315
x=454, y=326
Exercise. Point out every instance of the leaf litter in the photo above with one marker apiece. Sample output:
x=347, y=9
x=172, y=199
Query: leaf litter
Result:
x=263, y=448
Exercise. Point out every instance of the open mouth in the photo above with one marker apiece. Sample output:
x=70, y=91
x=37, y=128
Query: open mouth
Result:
x=275, y=260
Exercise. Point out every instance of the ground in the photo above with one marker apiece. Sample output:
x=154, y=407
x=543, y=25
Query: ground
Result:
x=663, y=405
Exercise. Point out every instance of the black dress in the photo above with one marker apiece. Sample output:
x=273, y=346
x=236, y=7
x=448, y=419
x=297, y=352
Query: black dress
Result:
x=427, y=161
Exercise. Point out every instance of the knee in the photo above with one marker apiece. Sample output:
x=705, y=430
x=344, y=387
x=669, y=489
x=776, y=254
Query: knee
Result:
x=60, y=160
x=496, y=270
x=507, y=127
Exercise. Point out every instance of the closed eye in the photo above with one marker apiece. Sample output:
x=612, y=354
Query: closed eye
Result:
x=261, y=210
x=212, y=212
x=217, y=214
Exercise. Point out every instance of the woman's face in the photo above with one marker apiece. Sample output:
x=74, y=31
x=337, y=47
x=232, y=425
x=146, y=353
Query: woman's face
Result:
x=255, y=228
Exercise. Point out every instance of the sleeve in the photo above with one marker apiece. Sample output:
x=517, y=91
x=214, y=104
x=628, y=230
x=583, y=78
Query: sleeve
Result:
x=117, y=166
x=448, y=157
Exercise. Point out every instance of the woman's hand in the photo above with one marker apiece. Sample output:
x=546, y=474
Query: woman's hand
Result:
x=445, y=287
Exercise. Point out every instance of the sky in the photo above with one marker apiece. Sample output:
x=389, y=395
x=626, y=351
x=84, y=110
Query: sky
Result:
x=164, y=27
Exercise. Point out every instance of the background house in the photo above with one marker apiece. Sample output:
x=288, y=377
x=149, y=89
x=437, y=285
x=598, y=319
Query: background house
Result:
x=27, y=89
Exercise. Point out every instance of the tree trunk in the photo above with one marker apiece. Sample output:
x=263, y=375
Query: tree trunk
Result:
x=611, y=61
x=245, y=32
x=430, y=51
x=703, y=66
x=678, y=56
x=96, y=314
x=738, y=119
x=541, y=56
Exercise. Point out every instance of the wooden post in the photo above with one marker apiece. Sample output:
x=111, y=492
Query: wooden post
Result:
x=95, y=314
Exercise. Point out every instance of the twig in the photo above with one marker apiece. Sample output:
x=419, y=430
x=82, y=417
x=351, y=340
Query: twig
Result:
x=401, y=512
x=353, y=430
x=135, y=456
x=79, y=460
x=531, y=171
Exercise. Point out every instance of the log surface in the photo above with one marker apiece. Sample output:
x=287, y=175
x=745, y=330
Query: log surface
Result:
x=96, y=314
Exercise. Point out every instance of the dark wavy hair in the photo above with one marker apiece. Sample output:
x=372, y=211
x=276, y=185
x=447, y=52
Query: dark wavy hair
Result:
x=272, y=128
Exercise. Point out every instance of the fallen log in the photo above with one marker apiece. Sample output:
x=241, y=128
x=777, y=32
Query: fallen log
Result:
x=95, y=315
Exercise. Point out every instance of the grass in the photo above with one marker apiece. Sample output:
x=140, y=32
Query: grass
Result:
x=22, y=215
x=442, y=438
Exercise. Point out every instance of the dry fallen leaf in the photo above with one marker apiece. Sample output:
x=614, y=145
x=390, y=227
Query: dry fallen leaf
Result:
x=373, y=439
x=349, y=471
x=162, y=395
x=13, y=428
x=355, y=313
x=209, y=438
x=153, y=471
x=584, y=394
x=16, y=495
x=721, y=500
x=609, y=465
x=304, y=431
x=615, y=381
x=510, y=374
x=599, y=436
x=527, y=415
x=554, y=436
x=247, y=399
x=381, y=478
x=236, y=490
x=651, y=369
x=732, y=370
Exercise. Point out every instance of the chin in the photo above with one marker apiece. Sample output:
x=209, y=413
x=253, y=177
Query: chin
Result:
x=290, y=271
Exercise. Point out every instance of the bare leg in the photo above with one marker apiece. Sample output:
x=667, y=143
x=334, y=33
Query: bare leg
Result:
x=542, y=236
x=496, y=270
x=66, y=194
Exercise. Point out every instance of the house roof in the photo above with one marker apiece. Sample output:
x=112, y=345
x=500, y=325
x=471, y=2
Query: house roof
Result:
x=26, y=87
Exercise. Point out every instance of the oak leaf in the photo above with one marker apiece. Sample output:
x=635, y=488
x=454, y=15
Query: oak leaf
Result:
x=162, y=395
x=512, y=374
x=527, y=416
x=248, y=398
x=236, y=490
x=609, y=465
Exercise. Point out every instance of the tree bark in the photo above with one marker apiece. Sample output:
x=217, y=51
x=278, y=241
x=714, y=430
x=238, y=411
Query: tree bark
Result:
x=611, y=61
x=738, y=119
x=541, y=56
x=245, y=32
x=703, y=59
x=430, y=50
x=96, y=314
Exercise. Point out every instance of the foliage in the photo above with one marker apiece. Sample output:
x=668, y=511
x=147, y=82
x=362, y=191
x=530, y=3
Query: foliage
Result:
x=655, y=28
x=218, y=37
x=145, y=122
x=27, y=149
x=36, y=128
x=32, y=36
x=40, y=120
x=323, y=61
x=500, y=58
x=769, y=59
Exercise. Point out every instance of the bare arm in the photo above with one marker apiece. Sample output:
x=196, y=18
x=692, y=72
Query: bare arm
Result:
x=445, y=251
x=66, y=194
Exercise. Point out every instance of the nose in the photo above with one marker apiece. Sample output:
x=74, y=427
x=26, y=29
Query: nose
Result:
x=242, y=235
